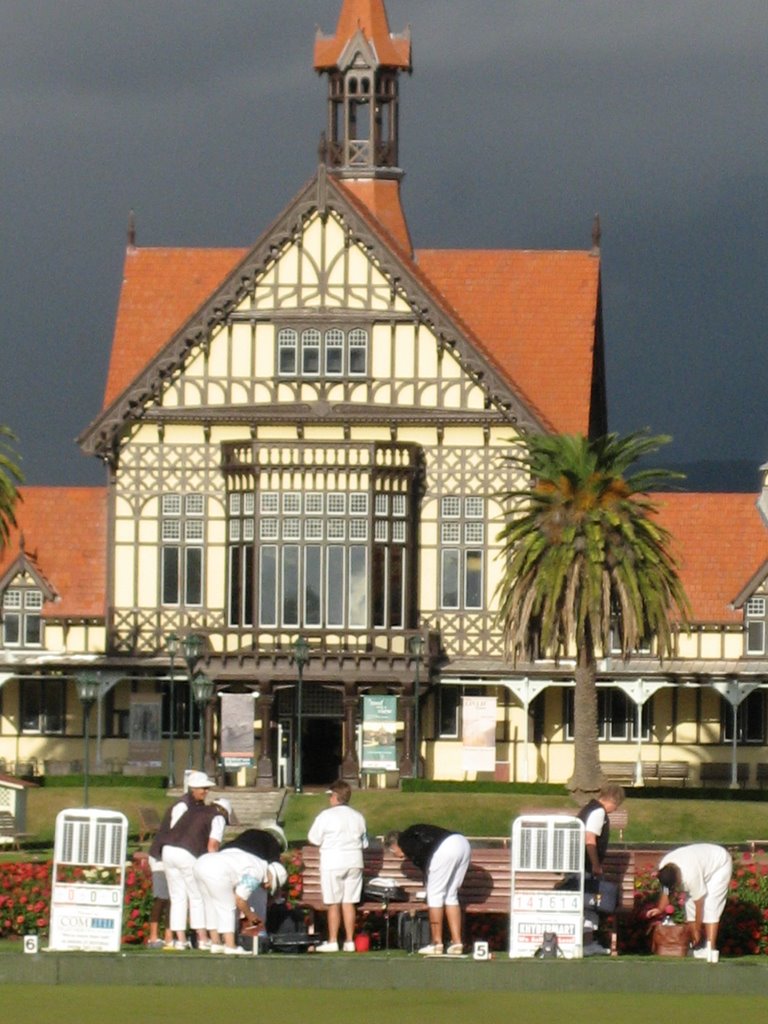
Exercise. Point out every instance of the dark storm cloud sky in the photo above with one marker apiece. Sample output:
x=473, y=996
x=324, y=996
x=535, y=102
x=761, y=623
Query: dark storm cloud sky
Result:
x=522, y=119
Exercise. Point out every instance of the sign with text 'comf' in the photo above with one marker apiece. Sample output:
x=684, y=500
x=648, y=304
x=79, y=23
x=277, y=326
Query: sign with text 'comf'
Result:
x=88, y=882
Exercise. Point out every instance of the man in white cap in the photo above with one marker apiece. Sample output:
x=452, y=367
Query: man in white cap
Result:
x=192, y=829
x=228, y=880
x=340, y=832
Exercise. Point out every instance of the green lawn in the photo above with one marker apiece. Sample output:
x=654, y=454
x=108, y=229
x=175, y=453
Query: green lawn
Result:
x=486, y=814
x=61, y=1004
x=477, y=814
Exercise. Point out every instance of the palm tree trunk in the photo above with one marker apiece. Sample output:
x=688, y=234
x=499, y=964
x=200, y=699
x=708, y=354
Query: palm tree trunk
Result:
x=587, y=775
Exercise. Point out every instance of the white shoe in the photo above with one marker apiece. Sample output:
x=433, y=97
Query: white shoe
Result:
x=349, y=947
x=178, y=944
x=455, y=949
x=327, y=947
x=433, y=949
x=235, y=951
x=595, y=949
x=216, y=947
x=205, y=944
x=702, y=953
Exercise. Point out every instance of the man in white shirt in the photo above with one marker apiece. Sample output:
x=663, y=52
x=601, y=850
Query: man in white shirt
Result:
x=340, y=832
x=703, y=872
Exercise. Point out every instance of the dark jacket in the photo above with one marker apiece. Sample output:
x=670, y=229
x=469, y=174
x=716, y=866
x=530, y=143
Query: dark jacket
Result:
x=602, y=839
x=419, y=842
x=191, y=832
x=258, y=842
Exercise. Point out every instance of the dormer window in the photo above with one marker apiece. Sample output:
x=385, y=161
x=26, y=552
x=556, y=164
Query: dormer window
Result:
x=754, y=620
x=22, y=622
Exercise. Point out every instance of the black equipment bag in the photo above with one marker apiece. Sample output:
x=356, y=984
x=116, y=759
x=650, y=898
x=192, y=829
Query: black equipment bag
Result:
x=601, y=894
x=383, y=890
x=413, y=931
x=549, y=948
x=287, y=930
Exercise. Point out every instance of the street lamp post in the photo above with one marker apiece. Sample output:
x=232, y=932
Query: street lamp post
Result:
x=172, y=643
x=193, y=647
x=88, y=689
x=202, y=689
x=301, y=657
x=416, y=645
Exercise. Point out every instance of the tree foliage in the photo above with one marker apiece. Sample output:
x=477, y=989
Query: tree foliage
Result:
x=10, y=478
x=587, y=561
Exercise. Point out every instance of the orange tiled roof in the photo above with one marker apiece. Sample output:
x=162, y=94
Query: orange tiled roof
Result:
x=161, y=289
x=535, y=312
x=65, y=537
x=721, y=542
x=381, y=199
x=371, y=17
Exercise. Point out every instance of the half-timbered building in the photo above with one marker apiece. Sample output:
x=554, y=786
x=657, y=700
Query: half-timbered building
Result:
x=303, y=443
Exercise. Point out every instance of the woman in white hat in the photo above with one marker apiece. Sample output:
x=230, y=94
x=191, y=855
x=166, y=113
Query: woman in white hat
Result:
x=194, y=828
x=227, y=881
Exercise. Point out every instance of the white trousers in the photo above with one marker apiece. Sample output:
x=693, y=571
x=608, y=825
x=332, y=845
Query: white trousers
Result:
x=217, y=878
x=447, y=870
x=183, y=889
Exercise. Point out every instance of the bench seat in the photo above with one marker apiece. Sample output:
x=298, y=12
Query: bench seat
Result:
x=487, y=888
x=721, y=771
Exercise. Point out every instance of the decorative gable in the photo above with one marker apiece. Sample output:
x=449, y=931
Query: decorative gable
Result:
x=325, y=266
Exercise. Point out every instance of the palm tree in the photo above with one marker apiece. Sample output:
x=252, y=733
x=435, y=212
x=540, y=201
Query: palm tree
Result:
x=585, y=556
x=10, y=477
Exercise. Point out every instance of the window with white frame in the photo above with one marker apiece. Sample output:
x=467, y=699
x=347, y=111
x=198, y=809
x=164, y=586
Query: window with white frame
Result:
x=462, y=541
x=754, y=621
x=22, y=619
x=616, y=715
x=182, y=528
x=312, y=353
x=750, y=719
x=318, y=558
x=42, y=705
x=449, y=722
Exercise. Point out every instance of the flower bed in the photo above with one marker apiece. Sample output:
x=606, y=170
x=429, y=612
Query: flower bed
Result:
x=25, y=895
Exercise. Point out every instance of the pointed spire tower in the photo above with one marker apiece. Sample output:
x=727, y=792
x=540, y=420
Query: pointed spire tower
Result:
x=363, y=61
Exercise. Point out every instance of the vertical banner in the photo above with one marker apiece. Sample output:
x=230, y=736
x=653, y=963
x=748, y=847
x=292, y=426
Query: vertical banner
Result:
x=478, y=715
x=379, y=732
x=144, y=729
x=237, y=743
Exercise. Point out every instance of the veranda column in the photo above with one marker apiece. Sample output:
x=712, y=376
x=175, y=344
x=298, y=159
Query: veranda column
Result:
x=405, y=703
x=350, y=764
x=265, y=778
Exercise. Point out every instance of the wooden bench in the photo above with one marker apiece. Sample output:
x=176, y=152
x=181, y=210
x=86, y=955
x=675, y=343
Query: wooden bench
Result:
x=487, y=887
x=721, y=771
x=9, y=834
x=669, y=771
x=622, y=772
